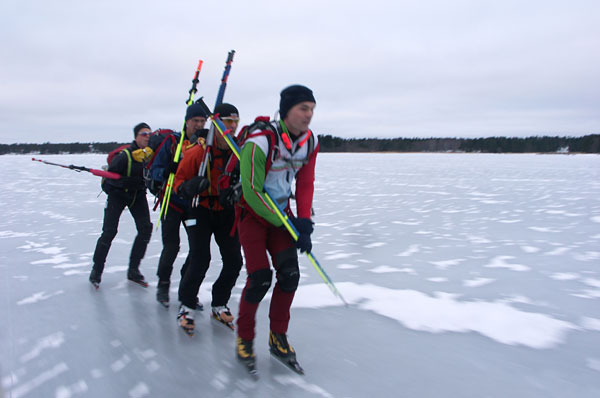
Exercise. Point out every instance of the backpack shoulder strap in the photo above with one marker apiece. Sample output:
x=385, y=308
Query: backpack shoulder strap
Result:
x=128, y=153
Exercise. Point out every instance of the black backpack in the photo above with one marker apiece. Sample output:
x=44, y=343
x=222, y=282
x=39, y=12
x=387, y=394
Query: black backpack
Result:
x=156, y=142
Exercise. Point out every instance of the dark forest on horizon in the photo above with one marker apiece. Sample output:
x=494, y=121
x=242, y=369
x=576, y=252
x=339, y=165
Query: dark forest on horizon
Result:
x=328, y=143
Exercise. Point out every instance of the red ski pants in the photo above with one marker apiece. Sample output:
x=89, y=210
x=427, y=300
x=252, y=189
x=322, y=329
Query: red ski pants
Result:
x=258, y=238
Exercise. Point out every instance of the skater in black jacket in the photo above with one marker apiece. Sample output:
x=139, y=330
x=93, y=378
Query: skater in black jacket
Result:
x=130, y=191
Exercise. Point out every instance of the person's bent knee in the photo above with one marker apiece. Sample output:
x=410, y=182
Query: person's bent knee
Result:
x=288, y=272
x=260, y=282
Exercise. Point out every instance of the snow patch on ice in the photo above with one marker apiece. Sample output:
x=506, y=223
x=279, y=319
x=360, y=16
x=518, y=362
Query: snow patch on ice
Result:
x=437, y=279
x=51, y=341
x=477, y=239
x=375, y=244
x=587, y=256
x=593, y=363
x=96, y=373
x=595, y=219
x=76, y=272
x=339, y=256
x=588, y=294
x=152, y=366
x=346, y=266
x=407, y=222
x=301, y=383
x=59, y=258
x=220, y=381
x=120, y=363
x=37, y=381
x=72, y=390
x=140, y=390
x=145, y=354
x=382, y=269
x=13, y=234
x=592, y=282
x=75, y=265
x=543, y=229
x=446, y=263
x=444, y=313
x=38, y=297
x=530, y=249
x=115, y=268
x=557, y=252
x=411, y=250
x=477, y=282
x=564, y=276
x=590, y=323
x=500, y=262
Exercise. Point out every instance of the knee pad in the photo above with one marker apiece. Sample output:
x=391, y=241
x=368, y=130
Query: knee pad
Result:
x=260, y=282
x=288, y=273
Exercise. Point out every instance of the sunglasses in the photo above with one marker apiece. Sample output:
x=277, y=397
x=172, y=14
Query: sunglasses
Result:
x=229, y=120
x=145, y=133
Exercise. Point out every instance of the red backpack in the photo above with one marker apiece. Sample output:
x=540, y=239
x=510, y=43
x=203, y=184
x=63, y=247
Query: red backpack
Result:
x=230, y=179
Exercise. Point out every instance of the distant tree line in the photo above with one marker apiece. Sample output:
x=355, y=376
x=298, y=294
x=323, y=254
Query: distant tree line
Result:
x=585, y=144
x=48, y=148
x=328, y=143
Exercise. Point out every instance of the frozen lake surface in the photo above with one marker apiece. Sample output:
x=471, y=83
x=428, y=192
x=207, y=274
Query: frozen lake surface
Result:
x=468, y=275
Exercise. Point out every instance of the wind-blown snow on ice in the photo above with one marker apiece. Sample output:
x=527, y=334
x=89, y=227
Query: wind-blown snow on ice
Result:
x=444, y=312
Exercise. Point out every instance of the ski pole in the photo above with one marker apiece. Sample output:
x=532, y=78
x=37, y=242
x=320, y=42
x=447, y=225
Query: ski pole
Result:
x=211, y=131
x=96, y=172
x=221, y=93
x=220, y=126
x=210, y=137
x=165, y=203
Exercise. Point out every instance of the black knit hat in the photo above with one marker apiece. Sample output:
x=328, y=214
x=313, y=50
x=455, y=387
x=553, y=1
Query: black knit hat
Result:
x=293, y=95
x=193, y=111
x=138, y=127
x=226, y=110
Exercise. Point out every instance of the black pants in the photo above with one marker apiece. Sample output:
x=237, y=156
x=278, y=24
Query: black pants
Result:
x=138, y=207
x=208, y=223
x=170, y=226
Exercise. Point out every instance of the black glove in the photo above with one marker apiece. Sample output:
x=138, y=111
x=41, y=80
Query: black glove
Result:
x=304, y=226
x=171, y=168
x=230, y=195
x=193, y=187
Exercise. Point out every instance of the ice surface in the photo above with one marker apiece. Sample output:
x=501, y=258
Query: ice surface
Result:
x=467, y=275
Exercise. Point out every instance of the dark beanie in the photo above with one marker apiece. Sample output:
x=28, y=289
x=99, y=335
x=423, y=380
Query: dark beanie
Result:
x=226, y=110
x=138, y=127
x=194, y=110
x=293, y=95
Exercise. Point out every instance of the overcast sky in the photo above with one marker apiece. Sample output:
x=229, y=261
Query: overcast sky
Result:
x=89, y=71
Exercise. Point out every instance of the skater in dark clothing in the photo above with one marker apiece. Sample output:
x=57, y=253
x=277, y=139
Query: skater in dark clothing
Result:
x=261, y=231
x=128, y=191
x=208, y=217
x=163, y=165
